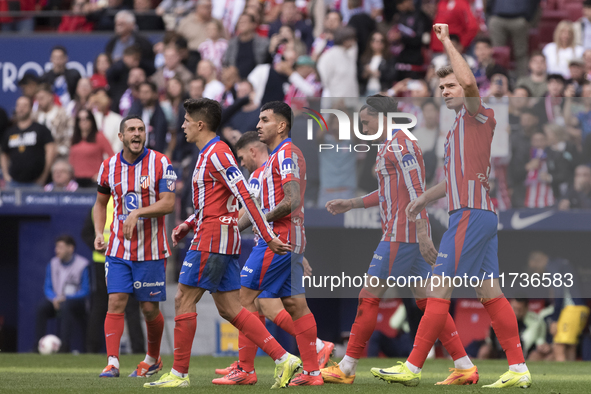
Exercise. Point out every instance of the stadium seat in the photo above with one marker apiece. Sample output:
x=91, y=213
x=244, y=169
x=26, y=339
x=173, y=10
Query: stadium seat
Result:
x=502, y=56
x=471, y=320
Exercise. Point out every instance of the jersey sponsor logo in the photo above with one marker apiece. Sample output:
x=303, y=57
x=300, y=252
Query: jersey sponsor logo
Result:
x=145, y=181
x=233, y=175
x=287, y=167
x=442, y=255
x=228, y=219
x=131, y=202
x=255, y=187
x=153, y=284
x=249, y=270
x=377, y=256
x=170, y=177
x=409, y=162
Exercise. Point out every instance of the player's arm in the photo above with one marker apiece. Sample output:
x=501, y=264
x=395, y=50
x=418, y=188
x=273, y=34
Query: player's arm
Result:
x=416, y=206
x=99, y=213
x=341, y=206
x=426, y=247
x=163, y=206
x=461, y=69
x=181, y=231
x=291, y=202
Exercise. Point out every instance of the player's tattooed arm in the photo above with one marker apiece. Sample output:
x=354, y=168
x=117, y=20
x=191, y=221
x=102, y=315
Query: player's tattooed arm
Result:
x=290, y=202
x=426, y=247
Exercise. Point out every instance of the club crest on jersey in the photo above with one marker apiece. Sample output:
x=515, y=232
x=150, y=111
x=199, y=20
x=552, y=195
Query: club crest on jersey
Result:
x=145, y=181
x=287, y=166
x=131, y=202
x=409, y=162
x=233, y=174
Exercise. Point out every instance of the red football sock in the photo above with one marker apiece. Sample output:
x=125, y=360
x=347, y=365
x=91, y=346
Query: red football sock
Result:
x=185, y=326
x=504, y=323
x=254, y=330
x=306, y=333
x=247, y=350
x=263, y=319
x=114, y=324
x=364, y=325
x=155, y=328
x=432, y=323
x=449, y=335
x=284, y=320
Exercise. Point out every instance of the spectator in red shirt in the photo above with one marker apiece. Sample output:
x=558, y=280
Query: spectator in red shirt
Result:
x=77, y=21
x=100, y=67
x=458, y=15
x=89, y=149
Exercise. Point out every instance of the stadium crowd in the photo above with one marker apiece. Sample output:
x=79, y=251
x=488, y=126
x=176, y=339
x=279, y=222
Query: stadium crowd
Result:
x=245, y=53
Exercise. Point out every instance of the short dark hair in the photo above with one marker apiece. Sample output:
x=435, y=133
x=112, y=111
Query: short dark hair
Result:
x=522, y=301
x=247, y=138
x=484, y=40
x=151, y=84
x=128, y=117
x=341, y=15
x=531, y=111
x=250, y=16
x=132, y=50
x=429, y=101
x=60, y=48
x=343, y=34
x=380, y=103
x=455, y=37
x=279, y=107
x=528, y=91
x=587, y=3
x=45, y=87
x=445, y=71
x=67, y=239
x=557, y=77
x=207, y=110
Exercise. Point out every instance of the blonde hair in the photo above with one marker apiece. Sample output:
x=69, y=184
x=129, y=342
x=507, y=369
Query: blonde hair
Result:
x=564, y=25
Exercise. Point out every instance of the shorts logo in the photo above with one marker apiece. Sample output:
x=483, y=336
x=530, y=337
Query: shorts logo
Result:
x=187, y=264
x=145, y=181
x=249, y=270
x=171, y=178
x=443, y=255
x=233, y=174
x=137, y=285
x=377, y=256
x=131, y=202
x=287, y=167
x=409, y=162
x=154, y=284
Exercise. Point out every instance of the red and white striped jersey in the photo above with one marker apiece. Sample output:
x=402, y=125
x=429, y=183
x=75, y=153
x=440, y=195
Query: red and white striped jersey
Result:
x=218, y=186
x=538, y=191
x=134, y=186
x=400, y=170
x=254, y=187
x=467, y=159
x=285, y=164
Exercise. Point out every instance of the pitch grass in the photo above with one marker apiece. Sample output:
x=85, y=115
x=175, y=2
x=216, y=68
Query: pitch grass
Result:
x=61, y=374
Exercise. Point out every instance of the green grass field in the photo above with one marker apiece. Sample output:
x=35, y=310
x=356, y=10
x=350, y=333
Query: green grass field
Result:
x=61, y=374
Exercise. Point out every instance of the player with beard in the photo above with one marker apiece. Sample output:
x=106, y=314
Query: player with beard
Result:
x=142, y=184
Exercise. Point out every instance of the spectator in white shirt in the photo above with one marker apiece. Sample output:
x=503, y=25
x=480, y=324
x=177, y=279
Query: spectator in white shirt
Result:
x=108, y=122
x=213, y=88
x=337, y=66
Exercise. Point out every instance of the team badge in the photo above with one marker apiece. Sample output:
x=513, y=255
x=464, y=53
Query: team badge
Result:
x=145, y=181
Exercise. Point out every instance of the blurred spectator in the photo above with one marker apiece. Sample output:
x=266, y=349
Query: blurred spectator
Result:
x=538, y=182
x=519, y=100
x=54, y=118
x=184, y=149
x=583, y=27
x=579, y=194
x=391, y=340
x=22, y=24
x=577, y=114
x=62, y=80
x=375, y=75
x=550, y=107
x=292, y=17
x=499, y=83
x=62, y=176
x=247, y=49
x=562, y=160
x=83, y=92
x=172, y=68
x=28, y=149
x=67, y=285
x=536, y=81
x=77, y=20
x=374, y=8
x=576, y=68
x=29, y=85
x=483, y=51
x=462, y=23
x=406, y=37
x=102, y=13
x=363, y=24
x=587, y=60
x=100, y=67
x=337, y=67
x=125, y=37
x=270, y=82
x=285, y=38
x=171, y=11
x=146, y=20
x=89, y=149
x=510, y=21
x=303, y=82
x=428, y=135
x=332, y=21
x=215, y=46
x=136, y=77
x=107, y=121
x=520, y=154
x=148, y=108
x=118, y=73
x=4, y=123
x=175, y=95
x=194, y=26
x=246, y=118
x=213, y=88
x=230, y=78
x=562, y=50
